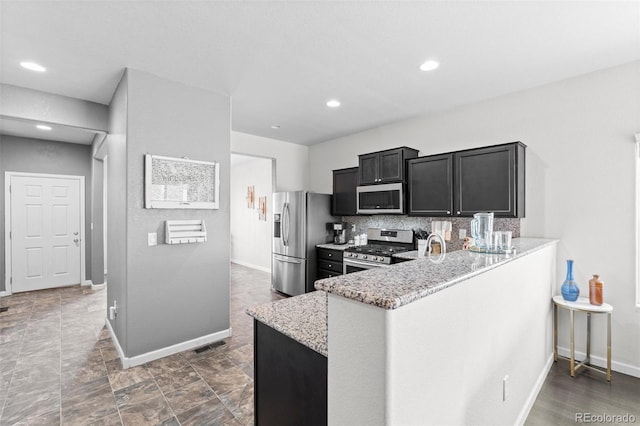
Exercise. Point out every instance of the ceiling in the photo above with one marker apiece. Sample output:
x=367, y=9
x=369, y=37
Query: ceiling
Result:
x=281, y=61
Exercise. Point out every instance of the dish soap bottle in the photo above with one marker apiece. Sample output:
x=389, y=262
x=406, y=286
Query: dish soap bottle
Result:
x=569, y=288
x=595, y=290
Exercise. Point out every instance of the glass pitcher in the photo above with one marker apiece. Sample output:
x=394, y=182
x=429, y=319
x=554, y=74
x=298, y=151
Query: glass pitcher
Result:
x=482, y=230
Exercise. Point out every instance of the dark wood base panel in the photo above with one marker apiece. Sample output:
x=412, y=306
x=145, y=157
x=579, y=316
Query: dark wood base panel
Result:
x=290, y=380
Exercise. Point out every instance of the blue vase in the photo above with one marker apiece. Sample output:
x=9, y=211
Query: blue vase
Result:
x=569, y=289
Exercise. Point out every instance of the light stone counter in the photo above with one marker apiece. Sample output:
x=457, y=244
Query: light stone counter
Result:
x=302, y=318
x=404, y=283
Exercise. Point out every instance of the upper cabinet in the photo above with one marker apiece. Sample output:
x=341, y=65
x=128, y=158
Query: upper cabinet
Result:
x=462, y=183
x=384, y=166
x=343, y=202
x=490, y=179
x=430, y=185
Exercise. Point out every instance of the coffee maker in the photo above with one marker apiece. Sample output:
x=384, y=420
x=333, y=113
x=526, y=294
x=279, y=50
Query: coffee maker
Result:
x=339, y=233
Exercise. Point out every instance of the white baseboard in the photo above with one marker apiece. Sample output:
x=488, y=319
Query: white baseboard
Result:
x=5, y=293
x=620, y=367
x=533, y=395
x=86, y=283
x=98, y=286
x=164, y=352
x=249, y=265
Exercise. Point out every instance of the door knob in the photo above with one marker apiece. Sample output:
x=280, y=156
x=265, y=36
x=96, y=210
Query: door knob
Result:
x=75, y=233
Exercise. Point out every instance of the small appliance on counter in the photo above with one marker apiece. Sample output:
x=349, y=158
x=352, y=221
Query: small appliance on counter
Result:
x=381, y=245
x=339, y=233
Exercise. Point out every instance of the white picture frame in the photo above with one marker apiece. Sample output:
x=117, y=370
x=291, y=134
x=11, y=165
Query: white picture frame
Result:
x=180, y=183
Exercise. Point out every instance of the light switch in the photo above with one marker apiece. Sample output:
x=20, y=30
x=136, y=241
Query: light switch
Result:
x=462, y=234
x=152, y=239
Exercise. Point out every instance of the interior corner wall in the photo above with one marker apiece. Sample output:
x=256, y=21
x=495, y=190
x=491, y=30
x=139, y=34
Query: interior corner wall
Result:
x=580, y=175
x=251, y=237
x=292, y=160
x=175, y=293
x=48, y=157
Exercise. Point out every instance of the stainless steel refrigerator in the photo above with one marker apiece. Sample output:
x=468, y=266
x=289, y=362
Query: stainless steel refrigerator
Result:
x=299, y=223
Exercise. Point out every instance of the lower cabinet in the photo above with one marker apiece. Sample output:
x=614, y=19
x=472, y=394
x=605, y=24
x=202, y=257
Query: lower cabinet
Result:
x=329, y=263
x=290, y=380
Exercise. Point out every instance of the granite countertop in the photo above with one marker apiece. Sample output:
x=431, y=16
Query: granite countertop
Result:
x=406, y=282
x=412, y=255
x=303, y=318
x=341, y=247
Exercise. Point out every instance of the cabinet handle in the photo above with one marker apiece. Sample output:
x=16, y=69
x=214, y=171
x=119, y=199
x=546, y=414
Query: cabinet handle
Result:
x=458, y=212
x=330, y=266
x=330, y=254
x=449, y=212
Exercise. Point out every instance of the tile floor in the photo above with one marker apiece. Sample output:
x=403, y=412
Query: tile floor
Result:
x=58, y=365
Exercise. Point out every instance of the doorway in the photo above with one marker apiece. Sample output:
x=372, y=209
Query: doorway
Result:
x=252, y=186
x=44, y=226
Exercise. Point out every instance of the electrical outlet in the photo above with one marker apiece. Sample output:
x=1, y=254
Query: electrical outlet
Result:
x=504, y=387
x=152, y=239
x=462, y=234
x=113, y=311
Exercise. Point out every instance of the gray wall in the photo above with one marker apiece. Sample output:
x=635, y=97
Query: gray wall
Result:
x=29, y=104
x=39, y=156
x=117, y=209
x=172, y=294
x=97, y=213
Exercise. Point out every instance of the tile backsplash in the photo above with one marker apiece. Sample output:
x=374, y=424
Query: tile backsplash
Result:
x=409, y=222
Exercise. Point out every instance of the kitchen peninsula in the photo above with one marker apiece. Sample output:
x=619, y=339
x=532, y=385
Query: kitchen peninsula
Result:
x=431, y=343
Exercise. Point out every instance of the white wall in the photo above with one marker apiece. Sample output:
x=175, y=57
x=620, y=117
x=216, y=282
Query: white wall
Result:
x=579, y=183
x=250, y=237
x=292, y=161
x=442, y=359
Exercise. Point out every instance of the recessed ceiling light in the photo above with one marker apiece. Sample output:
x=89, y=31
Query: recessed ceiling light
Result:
x=33, y=66
x=275, y=126
x=333, y=103
x=43, y=127
x=429, y=65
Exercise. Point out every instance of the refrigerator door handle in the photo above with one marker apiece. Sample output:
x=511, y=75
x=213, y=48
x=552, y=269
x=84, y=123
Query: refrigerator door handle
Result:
x=297, y=262
x=285, y=224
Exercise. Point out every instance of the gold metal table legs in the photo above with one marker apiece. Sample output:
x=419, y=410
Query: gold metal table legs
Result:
x=586, y=363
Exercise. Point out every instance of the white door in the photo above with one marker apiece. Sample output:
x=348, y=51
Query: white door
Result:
x=45, y=232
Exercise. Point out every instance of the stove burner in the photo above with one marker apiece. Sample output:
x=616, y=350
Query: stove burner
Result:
x=374, y=253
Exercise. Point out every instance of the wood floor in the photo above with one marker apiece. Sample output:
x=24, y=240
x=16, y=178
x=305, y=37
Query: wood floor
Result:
x=564, y=400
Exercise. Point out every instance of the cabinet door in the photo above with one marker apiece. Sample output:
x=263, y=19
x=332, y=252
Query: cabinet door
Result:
x=430, y=182
x=390, y=166
x=485, y=181
x=368, y=166
x=345, y=182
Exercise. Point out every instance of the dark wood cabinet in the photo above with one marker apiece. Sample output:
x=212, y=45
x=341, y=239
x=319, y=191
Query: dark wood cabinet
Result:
x=290, y=380
x=490, y=179
x=343, y=202
x=329, y=262
x=430, y=185
x=384, y=166
x=462, y=183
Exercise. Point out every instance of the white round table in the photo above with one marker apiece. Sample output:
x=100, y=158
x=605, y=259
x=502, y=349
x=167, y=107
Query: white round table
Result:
x=582, y=305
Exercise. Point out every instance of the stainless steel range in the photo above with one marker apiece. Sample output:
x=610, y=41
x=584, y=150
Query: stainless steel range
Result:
x=378, y=253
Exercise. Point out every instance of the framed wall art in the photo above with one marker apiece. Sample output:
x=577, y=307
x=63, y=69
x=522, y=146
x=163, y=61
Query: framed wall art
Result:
x=179, y=183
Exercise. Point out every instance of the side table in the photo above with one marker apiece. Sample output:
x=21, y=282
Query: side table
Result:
x=582, y=305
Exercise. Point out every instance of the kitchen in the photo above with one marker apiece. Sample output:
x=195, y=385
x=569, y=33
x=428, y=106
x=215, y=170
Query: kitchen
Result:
x=578, y=129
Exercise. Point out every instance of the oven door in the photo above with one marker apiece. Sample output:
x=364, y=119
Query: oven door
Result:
x=350, y=265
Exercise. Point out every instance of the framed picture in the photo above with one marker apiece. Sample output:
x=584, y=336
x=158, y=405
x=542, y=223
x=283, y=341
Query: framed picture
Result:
x=178, y=183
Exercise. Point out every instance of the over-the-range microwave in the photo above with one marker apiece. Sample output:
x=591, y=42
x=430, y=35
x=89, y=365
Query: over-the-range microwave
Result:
x=381, y=199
